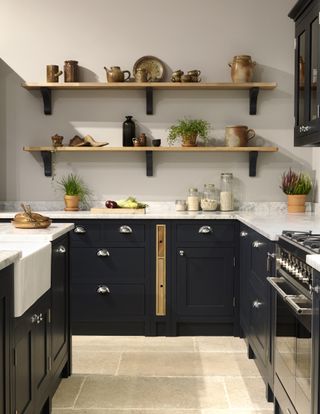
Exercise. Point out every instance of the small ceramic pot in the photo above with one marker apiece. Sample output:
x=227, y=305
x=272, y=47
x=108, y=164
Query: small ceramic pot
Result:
x=156, y=142
x=297, y=203
x=57, y=140
x=71, y=202
x=186, y=78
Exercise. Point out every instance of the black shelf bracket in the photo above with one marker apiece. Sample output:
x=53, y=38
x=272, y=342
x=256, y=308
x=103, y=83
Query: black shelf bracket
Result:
x=47, y=101
x=47, y=162
x=149, y=100
x=149, y=163
x=253, y=95
x=253, y=156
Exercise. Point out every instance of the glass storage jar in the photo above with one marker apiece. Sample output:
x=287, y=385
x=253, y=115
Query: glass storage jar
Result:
x=226, y=192
x=193, y=199
x=181, y=205
x=209, y=200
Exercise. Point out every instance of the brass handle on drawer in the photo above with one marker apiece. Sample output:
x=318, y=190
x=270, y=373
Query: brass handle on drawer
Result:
x=256, y=304
x=205, y=230
x=61, y=249
x=125, y=229
x=103, y=290
x=256, y=244
x=103, y=252
x=243, y=234
x=79, y=230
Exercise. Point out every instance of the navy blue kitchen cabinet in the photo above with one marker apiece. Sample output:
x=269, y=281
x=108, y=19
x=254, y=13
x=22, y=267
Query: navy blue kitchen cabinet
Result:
x=256, y=315
x=316, y=343
x=307, y=57
x=6, y=312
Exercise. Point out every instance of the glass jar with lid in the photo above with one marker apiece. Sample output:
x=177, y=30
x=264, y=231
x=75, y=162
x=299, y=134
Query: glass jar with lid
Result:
x=209, y=200
x=193, y=199
x=226, y=192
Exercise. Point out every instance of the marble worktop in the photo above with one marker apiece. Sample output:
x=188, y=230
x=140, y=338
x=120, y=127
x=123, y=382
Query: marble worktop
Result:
x=9, y=233
x=313, y=260
x=8, y=257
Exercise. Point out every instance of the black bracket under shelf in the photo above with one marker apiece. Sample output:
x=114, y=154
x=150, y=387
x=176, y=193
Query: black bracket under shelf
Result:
x=47, y=162
x=253, y=156
x=47, y=100
x=253, y=96
x=149, y=100
x=149, y=163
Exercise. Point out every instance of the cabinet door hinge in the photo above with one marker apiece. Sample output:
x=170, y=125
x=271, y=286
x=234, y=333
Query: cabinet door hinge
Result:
x=234, y=261
x=49, y=315
x=234, y=302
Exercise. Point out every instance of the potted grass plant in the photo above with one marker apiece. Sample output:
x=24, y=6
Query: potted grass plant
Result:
x=75, y=191
x=189, y=130
x=297, y=186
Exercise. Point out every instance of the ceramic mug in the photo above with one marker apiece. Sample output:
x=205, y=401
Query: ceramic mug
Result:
x=238, y=135
x=142, y=75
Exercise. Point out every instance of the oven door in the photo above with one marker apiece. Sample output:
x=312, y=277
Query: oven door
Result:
x=293, y=343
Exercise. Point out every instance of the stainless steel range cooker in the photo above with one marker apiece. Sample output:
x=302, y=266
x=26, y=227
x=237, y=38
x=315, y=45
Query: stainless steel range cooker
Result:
x=293, y=319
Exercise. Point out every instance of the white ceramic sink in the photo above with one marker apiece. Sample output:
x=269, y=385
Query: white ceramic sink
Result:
x=32, y=272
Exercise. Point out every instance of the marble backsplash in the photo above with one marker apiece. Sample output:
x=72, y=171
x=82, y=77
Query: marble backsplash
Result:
x=276, y=207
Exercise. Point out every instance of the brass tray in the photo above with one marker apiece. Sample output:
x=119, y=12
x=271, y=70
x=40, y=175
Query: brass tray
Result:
x=31, y=224
x=153, y=65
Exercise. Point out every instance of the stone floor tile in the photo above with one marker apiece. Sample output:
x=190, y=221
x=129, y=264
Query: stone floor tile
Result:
x=133, y=343
x=95, y=362
x=67, y=391
x=247, y=393
x=152, y=393
x=220, y=344
x=128, y=411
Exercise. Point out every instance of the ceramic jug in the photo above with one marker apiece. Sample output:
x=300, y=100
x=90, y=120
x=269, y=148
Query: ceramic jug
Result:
x=242, y=69
x=115, y=74
x=238, y=135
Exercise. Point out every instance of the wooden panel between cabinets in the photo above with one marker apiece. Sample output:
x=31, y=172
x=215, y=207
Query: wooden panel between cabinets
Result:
x=160, y=269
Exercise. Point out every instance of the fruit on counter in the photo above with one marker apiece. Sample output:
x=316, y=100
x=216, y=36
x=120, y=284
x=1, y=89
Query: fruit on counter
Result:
x=131, y=202
x=111, y=204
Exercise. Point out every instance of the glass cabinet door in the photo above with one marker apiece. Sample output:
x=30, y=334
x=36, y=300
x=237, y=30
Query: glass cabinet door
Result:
x=301, y=78
x=313, y=75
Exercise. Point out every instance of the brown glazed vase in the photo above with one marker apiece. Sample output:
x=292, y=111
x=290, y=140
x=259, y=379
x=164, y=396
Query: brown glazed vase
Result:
x=242, y=69
x=297, y=203
x=189, y=141
x=71, y=202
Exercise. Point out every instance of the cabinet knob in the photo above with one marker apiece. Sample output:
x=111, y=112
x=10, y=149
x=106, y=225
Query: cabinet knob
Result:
x=243, y=234
x=125, y=229
x=103, y=290
x=79, y=230
x=103, y=252
x=40, y=318
x=305, y=128
x=256, y=244
x=205, y=230
x=181, y=252
x=256, y=304
x=61, y=249
x=316, y=289
x=34, y=318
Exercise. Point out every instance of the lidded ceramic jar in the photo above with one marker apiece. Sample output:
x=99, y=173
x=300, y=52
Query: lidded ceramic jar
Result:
x=242, y=69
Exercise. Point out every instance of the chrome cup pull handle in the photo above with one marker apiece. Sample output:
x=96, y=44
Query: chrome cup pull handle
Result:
x=256, y=304
x=181, y=252
x=103, y=290
x=205, y=230
x=103, y=253
x=79, y=230
x=61, y=249
x=256, y=244
x=125, y=229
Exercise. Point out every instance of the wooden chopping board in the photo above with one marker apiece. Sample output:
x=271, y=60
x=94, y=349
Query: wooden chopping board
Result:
x=118, y=210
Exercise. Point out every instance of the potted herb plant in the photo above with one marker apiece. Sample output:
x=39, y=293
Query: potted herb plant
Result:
x=297, y=186
x=188, y=130
x=75, y=191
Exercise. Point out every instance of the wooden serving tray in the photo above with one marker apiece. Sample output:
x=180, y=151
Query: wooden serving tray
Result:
x=118, y=210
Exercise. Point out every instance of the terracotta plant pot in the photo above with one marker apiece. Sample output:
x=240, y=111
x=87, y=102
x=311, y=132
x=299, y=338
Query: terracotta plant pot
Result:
x=189, y=141
x=71, y=202
x=297, y=203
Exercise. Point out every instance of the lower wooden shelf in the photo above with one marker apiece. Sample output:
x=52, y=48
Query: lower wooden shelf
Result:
x=46, y=153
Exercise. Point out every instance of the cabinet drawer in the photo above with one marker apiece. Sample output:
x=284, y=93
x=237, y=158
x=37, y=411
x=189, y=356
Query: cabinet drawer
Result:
x=205, y=232
x=114, y=265
x=123, y=300
x=93, y=233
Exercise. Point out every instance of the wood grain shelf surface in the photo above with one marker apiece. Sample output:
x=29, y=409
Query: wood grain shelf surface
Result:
x=152, y=149
x=154, y=85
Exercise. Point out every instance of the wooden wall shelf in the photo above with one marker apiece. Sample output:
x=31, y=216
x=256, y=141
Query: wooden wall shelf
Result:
x=46, y=153
x=47, y=88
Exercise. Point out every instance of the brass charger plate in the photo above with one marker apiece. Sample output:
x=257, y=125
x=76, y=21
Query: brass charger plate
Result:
x=32, y=224
x=153, y=65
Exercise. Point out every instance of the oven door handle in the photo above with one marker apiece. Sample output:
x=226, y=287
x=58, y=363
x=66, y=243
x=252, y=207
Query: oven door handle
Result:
x=273, y=282
x=297, y=308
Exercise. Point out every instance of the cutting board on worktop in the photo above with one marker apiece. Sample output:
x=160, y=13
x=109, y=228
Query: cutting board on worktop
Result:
x=105, y=210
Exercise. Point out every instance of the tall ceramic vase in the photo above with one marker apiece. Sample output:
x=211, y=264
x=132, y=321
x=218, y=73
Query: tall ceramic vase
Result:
x=297, y=203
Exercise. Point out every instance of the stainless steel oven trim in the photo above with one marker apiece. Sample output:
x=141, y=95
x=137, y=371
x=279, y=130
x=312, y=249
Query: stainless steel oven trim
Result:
x=290, y=299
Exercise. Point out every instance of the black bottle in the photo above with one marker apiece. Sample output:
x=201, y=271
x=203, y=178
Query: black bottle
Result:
x=128, y=132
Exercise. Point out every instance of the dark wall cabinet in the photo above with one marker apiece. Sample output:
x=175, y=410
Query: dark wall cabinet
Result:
x=307, y=75
x=256, y=264
x=6, y=312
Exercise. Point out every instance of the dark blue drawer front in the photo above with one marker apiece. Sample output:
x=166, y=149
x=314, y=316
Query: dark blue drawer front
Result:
x=195, y=232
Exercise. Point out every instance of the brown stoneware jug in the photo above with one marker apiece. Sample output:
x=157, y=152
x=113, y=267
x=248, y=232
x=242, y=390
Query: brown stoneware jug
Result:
x=242, y=69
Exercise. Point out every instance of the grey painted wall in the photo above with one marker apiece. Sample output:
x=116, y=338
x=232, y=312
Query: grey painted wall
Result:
x=205, y=35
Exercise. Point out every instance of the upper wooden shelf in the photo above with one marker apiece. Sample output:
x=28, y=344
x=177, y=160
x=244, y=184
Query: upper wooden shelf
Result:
x=46, y=89
x=46, y=153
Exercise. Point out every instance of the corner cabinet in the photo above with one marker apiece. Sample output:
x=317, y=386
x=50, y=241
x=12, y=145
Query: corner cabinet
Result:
x=307, y=75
